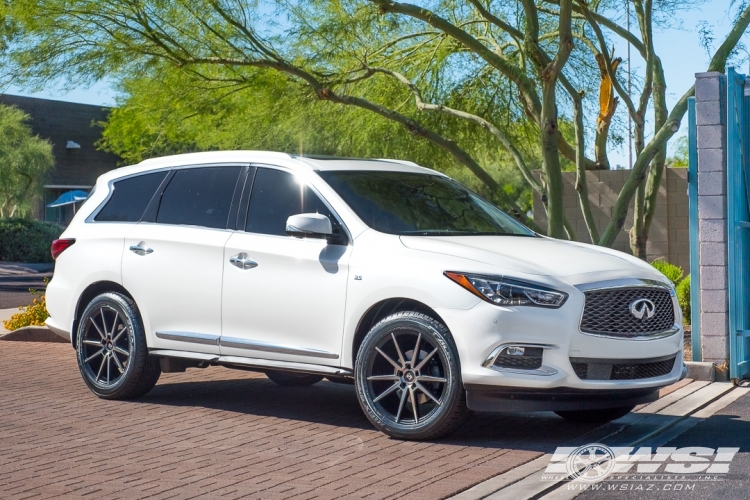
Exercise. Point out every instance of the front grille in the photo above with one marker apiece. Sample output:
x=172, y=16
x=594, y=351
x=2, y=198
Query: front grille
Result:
x=531, y=359
x=607, y=312
x=614, y=369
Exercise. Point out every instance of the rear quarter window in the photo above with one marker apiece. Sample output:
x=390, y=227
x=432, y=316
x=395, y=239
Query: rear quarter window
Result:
x=130, y=197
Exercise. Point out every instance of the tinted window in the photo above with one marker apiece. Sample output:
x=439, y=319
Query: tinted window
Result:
x=420, y=204
x=199, y=197
x=277, y=195
x=130, y=198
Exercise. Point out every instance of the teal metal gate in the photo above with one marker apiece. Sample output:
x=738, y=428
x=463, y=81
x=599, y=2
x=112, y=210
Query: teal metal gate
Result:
x=738, y=223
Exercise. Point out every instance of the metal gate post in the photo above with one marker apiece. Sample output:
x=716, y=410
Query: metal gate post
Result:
x=695, y=280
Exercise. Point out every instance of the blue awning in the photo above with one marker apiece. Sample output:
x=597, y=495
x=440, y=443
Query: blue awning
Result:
x=68, y=198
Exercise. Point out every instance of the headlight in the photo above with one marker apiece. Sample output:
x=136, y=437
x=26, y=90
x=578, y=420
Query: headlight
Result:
x=508, y=292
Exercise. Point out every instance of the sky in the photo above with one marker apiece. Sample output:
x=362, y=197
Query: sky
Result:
x=679, y=48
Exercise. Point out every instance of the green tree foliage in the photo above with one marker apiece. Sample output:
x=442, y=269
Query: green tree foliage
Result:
x=449, y=72
x=24, y=160
x=683, y=298
x=168, y=112
x=672, y=272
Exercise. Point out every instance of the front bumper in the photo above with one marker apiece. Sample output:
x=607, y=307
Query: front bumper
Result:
x=482, y=331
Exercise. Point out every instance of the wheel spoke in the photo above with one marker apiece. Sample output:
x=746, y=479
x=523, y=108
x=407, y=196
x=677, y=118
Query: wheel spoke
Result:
x=119, y=334
x=415, y=355
x=104, y=323
x=426, y=392
x=427, y=378
x=122, y=351
x=117, y=363
x=388, y=358
x=398, y=350
x=97, y=327
x=107, y=358
x=98, y=374
x=92, y=342
x=97, y=353
x=401, y=405
x=426, y=359
x=413, y=399
x=383, y=377
x=114, y=324
x=387, y=392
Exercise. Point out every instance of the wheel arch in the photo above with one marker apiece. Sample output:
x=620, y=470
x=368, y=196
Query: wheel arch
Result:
x=383, y=309
x=88, y=294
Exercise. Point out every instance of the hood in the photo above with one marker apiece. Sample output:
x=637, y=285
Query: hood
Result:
x=533, y=255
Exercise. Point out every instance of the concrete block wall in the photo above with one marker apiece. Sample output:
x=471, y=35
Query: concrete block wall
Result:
x=668, y=238
x=711, y=116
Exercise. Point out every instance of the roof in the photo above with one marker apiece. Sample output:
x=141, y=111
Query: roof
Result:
x=294, y=162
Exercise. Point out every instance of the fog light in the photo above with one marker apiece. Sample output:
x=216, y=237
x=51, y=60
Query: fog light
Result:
x=520, y=358
x=515, y=351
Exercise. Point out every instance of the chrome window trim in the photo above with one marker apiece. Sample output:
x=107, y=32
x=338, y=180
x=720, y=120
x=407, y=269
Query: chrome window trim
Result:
x=544, y=371
x=275, y=348
x=631, y=283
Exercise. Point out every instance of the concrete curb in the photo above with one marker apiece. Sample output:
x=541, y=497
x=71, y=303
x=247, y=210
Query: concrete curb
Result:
x=701, y=370
x=33, y=334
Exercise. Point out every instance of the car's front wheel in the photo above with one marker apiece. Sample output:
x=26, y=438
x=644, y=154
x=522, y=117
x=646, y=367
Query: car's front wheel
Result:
x=111, y=349
x=408, y=377
x=599, y=416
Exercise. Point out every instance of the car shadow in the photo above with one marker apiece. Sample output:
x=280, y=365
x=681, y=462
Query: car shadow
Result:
x=335, y=404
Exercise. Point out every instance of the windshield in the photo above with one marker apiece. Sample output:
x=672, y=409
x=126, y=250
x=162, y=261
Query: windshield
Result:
x=407, y=203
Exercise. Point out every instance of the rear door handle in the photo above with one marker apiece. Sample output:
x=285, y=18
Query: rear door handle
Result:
x=241, y=261
x=141, y=249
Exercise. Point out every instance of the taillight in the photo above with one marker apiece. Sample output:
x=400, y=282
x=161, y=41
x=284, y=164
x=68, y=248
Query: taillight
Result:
x=59, y=246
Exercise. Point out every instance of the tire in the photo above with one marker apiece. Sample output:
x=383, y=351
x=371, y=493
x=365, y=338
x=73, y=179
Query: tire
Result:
x=410, y=398
x=595, y=416
x=111, y=349
x=291, y=379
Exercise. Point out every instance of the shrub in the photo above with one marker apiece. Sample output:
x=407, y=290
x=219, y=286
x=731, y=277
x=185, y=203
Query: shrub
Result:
x=672, y=272
x=23, y=240
x=683, y=298
x=32, y=315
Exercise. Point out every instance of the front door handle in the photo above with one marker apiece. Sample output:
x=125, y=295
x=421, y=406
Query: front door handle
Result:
x=141, y=249
x=240, y=260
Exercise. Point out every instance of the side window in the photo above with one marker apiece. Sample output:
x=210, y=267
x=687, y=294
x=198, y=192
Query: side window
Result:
x=130, y=198
x=276, y=195
x=199, y=197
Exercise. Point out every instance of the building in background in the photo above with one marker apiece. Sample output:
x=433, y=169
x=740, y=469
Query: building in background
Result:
x=73, y=131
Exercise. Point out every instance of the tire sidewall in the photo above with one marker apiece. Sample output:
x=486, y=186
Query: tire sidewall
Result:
x=430, y=329
x=139, y=351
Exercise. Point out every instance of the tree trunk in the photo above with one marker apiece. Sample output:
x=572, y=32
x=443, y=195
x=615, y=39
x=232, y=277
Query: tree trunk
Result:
x=551, y=157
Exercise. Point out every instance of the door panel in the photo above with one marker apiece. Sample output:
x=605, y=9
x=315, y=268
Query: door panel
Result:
x=290, y=306
x=177, y=285
x=284, y=297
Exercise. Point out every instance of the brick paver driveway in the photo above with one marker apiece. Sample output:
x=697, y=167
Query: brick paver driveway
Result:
x=224, y=433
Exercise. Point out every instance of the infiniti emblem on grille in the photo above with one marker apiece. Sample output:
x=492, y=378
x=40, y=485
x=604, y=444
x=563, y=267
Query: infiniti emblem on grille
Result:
x=642, y=308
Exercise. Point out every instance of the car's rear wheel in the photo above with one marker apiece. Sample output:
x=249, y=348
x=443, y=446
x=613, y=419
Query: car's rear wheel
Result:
x=292, y=379
x=598, y=416
x=111, y=349
x=408, y=378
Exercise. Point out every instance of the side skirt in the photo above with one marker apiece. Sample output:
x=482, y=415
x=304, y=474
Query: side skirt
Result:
x=254, y=364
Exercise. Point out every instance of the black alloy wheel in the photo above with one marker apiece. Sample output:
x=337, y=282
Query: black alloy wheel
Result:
x=111, y=349
x=408, y=378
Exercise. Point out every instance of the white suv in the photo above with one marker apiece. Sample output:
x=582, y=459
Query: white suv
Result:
x=380, y=273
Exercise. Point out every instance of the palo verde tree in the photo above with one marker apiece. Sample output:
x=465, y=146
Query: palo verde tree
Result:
x=24, y=159
x=524, y=68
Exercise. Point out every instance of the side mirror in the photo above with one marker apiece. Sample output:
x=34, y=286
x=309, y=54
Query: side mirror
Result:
x=309, y=226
